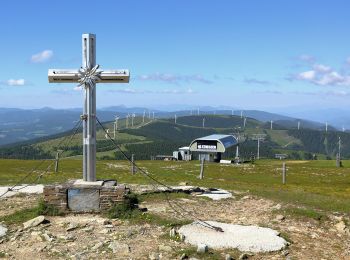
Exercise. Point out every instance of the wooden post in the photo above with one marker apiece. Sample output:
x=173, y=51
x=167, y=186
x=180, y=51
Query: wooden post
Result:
x=201, y=175
x=284, y=173
x=56, y=162
x=132, y=164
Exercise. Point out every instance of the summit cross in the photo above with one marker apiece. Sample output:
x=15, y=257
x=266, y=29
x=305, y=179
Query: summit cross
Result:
x=87, y=76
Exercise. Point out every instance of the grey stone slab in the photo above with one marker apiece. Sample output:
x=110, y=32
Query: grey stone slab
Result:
x=84, y=199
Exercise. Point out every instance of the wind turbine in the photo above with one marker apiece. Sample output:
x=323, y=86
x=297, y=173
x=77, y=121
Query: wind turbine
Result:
x=298, y=125
x=175, y=119
x=326, y=126
x=244, y=122
x=143, y=117
x=271, y=124
x=232, y=112
x=132, y=119
x=127, y=121
x=203, y=122
x=149, y=114
x=197, y=111
x=153, y=115
x=115, y=125
x=241, y=113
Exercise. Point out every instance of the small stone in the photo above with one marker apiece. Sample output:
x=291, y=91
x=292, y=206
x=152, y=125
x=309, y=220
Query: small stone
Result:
x=285, y=252
x=119, y=247
x=183, y=183
x=243, y=256
x=97, y=246
x=228, y=257
x=69, y=237
x=3, y=231
x=341, y=227
x=182, y=237
x=154, y=256
x=37, y=235
x=247, y=197
x=71, y=226
x=165, y=248
x=47, y=237
x=107, y=222
x=172, y=232
x=280, y=217
x=34, y=222
x=105, y=231
x=202, y=248
x=109, y=226
x=183, y=256
x=277, y=206
x=88, y=229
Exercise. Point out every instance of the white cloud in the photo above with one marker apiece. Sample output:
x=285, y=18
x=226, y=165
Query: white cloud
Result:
x=307, y=75
x=15, y=82
x=41, y=57
x=175, y=79
x=323, y=75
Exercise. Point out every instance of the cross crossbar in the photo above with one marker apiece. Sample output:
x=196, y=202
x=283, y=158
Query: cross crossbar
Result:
x=72, y=76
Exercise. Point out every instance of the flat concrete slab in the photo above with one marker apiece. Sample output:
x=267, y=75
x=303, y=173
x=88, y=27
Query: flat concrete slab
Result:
x=83, y=183
x=217, y=194
x=31, y=189
x=244, y=238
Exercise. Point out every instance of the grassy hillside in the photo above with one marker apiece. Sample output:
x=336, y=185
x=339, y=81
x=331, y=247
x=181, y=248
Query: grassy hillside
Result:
x=163, y=136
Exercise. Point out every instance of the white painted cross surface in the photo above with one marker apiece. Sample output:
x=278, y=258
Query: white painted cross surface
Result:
x=88, y=76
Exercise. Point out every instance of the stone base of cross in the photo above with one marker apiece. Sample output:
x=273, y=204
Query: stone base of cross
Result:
x=88, y=76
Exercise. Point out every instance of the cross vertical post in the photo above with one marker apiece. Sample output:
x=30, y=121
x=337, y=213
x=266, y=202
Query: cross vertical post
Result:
x=89, y=124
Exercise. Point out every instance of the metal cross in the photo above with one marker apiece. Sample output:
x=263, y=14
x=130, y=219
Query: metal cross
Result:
x=88, y=76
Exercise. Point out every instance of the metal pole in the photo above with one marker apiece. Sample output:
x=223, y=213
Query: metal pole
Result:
x=258, y=155
x=284, y=173
x=89, y=126
x=201, y=175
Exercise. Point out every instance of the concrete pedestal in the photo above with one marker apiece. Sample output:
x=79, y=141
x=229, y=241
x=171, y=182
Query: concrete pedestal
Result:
x=81, y=196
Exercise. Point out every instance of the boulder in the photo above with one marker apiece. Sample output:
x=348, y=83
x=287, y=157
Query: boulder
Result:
x=35, y=222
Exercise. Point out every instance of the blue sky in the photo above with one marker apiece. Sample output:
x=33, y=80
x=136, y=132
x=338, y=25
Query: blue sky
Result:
x=245, y=54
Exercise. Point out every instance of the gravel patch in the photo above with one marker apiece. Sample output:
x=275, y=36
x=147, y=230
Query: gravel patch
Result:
x=32, y=189
x=244, y=238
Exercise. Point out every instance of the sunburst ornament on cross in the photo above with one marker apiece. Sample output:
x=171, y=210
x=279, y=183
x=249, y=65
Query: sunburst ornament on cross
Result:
x=87, y=76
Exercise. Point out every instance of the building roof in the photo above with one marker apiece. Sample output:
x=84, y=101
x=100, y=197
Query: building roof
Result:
x=226, y=140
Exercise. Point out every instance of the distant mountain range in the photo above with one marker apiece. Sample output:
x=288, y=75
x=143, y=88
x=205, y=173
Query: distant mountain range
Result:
x=18, y=125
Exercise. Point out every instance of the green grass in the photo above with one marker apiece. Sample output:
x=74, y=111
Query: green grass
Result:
x=20, y=216
x=316, y=185
x=305, y=213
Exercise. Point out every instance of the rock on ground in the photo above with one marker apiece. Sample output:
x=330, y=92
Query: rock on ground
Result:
x=34, y=222
x=3, y=231
x=244, y=238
